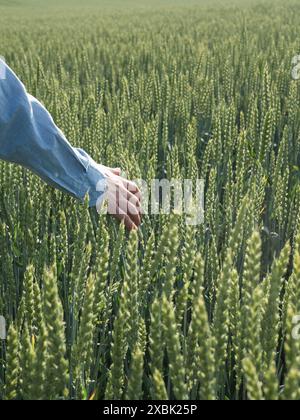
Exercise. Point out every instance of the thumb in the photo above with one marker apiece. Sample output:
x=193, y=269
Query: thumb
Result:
x=116, y=171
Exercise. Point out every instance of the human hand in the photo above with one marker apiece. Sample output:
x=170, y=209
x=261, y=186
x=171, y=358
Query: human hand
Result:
x=123, y=198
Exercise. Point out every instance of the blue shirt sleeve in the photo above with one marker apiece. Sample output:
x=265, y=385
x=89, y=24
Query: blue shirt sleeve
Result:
x=29, y=137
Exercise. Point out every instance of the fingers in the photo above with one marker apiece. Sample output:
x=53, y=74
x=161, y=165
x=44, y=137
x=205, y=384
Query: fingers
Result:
x=131, y=210
x=116, y=171
x=118, y=204
x=125, y=188
x=131, y=198
x=128, y=222
x=129, y=185
x=133, y=189
x=124, y=199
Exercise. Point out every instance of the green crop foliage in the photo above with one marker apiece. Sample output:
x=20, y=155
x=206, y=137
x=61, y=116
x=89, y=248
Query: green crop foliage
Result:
x=161, y=88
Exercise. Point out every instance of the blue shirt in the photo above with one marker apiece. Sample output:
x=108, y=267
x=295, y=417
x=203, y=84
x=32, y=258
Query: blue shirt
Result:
x=29, y=137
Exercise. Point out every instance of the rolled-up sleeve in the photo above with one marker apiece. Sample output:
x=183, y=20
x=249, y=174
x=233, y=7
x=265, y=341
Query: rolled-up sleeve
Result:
x=29, y=137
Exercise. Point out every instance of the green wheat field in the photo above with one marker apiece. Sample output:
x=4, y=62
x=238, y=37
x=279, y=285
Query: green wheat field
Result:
x=163, y=89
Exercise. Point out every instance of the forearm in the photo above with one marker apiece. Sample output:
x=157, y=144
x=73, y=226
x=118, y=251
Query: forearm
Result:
x=29, y=137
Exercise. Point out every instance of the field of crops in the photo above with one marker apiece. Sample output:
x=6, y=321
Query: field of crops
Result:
x=164, y=89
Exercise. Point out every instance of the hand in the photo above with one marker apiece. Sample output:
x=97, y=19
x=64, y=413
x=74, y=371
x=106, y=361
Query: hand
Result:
x=123, y=198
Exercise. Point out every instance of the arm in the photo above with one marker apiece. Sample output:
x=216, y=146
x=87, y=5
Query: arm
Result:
x=29, y=137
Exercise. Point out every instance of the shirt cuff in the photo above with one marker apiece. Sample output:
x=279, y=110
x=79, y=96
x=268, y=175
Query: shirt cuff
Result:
x=95, y=185
x=98, y=188
x=93, y=180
